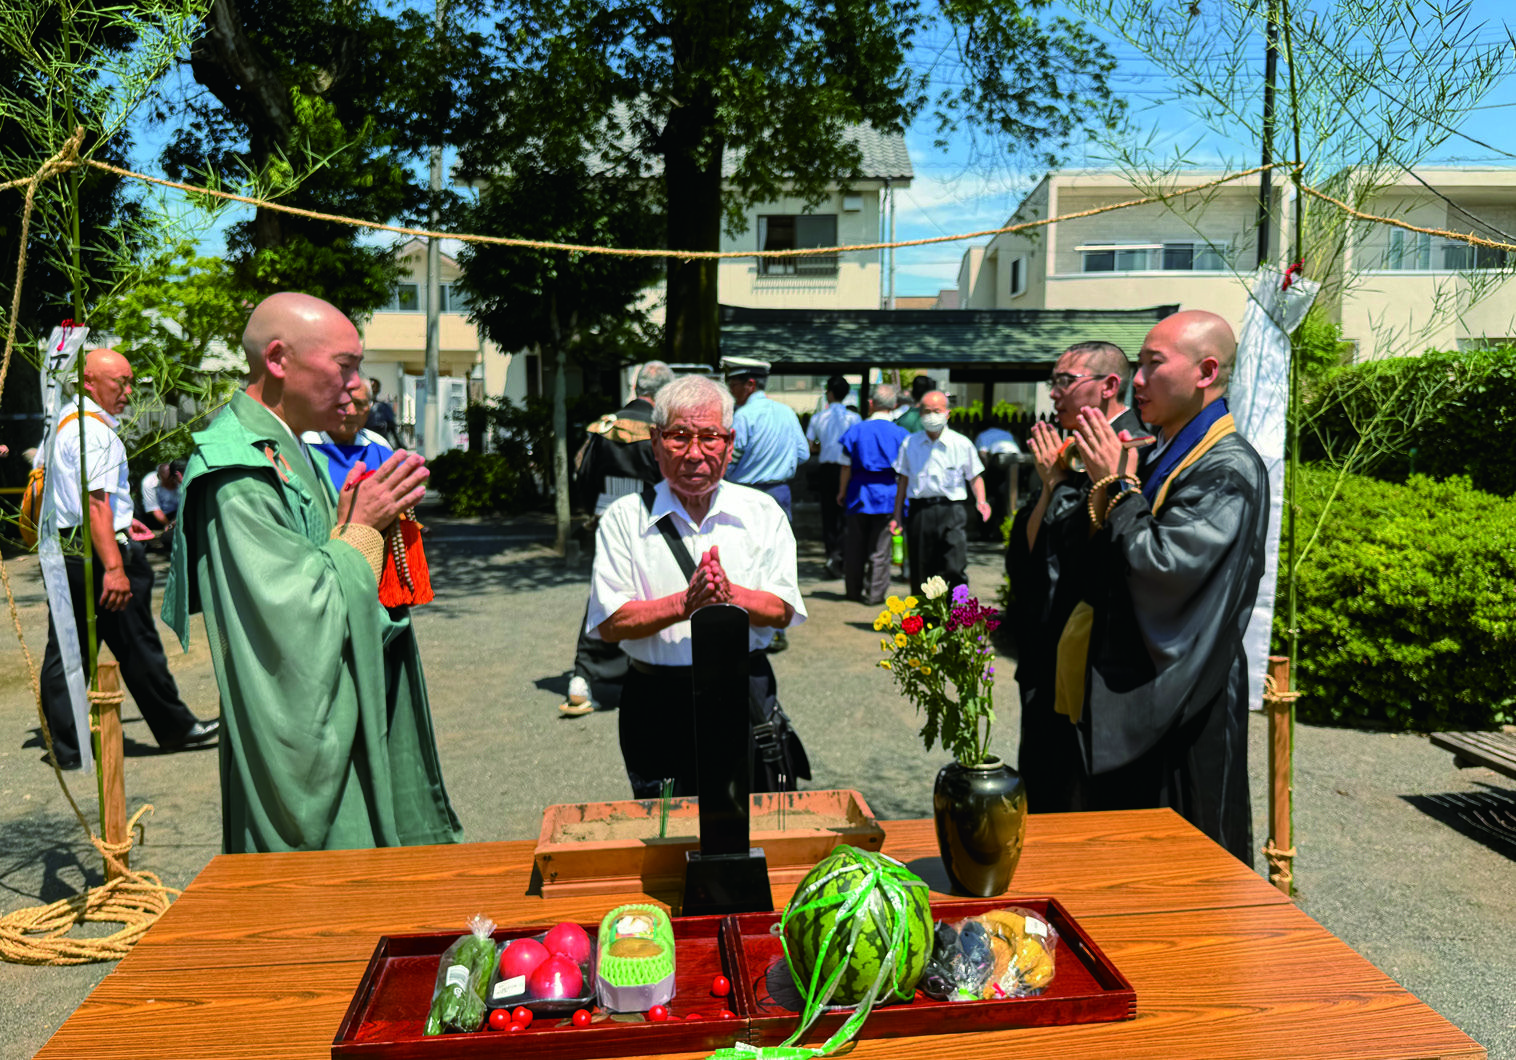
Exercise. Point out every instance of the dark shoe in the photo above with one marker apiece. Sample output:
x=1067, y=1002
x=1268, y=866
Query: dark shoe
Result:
x=68, y=765
x=834, y=568
x=874, y=603
x=779, y=643
x=200, y=732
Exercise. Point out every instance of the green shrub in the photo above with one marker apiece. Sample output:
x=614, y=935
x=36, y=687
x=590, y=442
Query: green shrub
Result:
x=1431, y=415
x=475, y=483
x=1406, y=605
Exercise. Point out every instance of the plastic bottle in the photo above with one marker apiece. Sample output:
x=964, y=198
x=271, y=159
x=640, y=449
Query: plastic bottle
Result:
x=897, y=550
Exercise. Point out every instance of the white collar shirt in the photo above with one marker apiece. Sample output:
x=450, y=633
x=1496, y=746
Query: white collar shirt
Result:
x=634, y=562
x=940, y=468
x=827, y=428
x=105, y=462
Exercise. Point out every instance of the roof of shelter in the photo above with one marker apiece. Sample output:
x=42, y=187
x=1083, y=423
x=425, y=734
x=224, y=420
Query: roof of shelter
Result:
x=974, y=343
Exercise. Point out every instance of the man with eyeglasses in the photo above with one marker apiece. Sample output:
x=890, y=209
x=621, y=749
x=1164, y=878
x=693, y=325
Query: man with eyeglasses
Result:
x=1156, y=679
x=351, y=442
x=1045, y=560
x=739, y=546
x=936, y=469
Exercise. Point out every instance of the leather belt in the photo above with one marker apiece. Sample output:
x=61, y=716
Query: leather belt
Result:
x=928, y=502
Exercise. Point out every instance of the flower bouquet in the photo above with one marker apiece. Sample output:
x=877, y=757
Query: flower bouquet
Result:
x=942, y=660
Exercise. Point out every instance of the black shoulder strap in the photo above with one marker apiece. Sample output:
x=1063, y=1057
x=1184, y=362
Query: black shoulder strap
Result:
x=666, y=528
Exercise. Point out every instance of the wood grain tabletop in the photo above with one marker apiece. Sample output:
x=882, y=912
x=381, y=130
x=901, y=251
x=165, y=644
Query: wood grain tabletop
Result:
x=261, y=955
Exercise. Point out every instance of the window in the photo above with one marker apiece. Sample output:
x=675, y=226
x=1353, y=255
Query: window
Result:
x=454, y=300
x=1460, y=257
x=1408, y=250
x=411, y=298
x=1018, y=276
x=1154, y=257
x=795, y=232
x=406, y=299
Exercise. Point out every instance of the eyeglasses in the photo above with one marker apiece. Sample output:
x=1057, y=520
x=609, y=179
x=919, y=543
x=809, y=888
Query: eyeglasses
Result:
x=1064, y=380
x=362, y=405
x=678, y=441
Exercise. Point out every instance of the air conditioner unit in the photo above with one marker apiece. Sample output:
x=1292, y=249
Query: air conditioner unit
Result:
x=852, y=201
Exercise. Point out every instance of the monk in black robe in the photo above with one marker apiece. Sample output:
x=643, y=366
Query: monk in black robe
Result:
x=1177, y=553
x=1049, y=537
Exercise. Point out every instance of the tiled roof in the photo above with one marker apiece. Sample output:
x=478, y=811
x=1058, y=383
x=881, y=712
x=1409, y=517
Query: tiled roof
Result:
x=884, y=154
x=1009, y=342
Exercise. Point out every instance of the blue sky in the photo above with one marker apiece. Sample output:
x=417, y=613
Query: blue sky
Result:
x=961, y=190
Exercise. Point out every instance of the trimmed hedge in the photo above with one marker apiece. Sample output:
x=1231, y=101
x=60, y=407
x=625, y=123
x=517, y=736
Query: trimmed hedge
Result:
x=1406, y=605
x=475, y=483
x=1444, y=409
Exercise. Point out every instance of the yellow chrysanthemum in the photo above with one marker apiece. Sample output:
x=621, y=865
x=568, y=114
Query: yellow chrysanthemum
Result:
x=900, y=640
x=884, y=645
x=925, y=669
x=884, y=621
x=884, y=664
x=911, y=602
x=895, y=604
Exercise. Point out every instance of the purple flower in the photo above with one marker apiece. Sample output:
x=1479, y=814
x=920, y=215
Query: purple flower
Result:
x=960, y=594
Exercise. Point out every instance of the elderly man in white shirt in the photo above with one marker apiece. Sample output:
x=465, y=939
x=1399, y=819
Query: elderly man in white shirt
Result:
x=641, y=598
x=123, y=578
x=825, y=435
x=937, y=468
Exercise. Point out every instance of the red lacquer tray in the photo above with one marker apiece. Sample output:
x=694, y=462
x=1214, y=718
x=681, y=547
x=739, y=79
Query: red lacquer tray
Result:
x=1086, y=986
x=388, y=1010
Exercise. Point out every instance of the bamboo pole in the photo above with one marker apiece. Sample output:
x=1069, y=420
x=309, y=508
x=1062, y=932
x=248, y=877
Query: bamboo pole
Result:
x=1279, y=701
x=109, y=756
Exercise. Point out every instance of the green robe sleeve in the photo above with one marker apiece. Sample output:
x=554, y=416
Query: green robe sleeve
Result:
x=314, y=754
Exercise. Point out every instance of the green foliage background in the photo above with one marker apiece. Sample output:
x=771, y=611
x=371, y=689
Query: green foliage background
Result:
x=1407, y=604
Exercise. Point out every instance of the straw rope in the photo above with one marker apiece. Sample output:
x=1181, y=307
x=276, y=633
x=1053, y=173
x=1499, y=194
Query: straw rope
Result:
x=1461, y=237
x=1271, y=693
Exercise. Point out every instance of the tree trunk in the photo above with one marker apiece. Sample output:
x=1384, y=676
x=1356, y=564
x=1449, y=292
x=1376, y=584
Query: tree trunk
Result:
x=561, y=508
x=692, y=145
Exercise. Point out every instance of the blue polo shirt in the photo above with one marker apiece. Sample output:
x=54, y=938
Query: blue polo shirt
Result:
x=769, y=445
x=871, y=447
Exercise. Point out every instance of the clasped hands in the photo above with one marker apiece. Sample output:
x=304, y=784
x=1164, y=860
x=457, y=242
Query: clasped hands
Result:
x=377, y=498
x=709, y=584
x=1102, y=449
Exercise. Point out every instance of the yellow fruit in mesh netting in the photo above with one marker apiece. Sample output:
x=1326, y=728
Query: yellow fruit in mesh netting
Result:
x=1024, y=955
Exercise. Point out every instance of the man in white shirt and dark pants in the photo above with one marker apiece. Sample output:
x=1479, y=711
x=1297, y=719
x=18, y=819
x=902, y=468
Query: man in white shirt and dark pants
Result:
x=123, y=586
x=825, y=435
x=641, y=598
x=937, y=468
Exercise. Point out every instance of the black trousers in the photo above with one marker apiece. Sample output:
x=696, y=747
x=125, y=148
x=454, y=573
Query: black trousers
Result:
x=937, y=543
x=867, y=556
x=133, y=639
x=601, y=663
x=833, y=515
x=657, y=729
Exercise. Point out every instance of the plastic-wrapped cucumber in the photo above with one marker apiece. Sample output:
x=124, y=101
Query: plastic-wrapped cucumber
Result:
x=463, y=975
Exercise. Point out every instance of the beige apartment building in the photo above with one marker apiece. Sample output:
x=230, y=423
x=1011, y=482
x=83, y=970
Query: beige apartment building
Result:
x=1405, y=292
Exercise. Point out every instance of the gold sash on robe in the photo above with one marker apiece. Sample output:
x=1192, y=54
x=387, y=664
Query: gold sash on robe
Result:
x=1074, y=641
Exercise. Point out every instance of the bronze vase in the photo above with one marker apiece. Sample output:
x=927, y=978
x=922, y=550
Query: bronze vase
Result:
x=981, y=825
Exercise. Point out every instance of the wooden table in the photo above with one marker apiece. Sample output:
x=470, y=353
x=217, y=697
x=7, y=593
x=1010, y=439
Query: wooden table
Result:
x=261, y=955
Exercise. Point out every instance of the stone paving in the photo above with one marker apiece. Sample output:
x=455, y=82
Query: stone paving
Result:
x=1380, y=864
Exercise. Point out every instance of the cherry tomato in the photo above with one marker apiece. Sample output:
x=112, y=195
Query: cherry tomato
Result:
x=721, y=986
x=516, y=1028
x=695, y=1016
x=582, y=1017
x=522, y=1015
x=500, y=1019
x=726, y=1014
x=658, y=1013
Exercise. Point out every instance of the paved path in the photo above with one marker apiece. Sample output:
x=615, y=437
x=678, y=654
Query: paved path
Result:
x=1426, y=903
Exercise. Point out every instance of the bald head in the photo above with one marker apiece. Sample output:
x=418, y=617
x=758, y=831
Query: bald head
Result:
x=1184, y=366
x=107, y=379
x=303, y=357
x=1201, y=334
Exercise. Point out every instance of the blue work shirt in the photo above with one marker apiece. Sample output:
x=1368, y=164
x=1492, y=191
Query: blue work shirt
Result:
x=872, y=446
x=770, y=444
x=367, y=446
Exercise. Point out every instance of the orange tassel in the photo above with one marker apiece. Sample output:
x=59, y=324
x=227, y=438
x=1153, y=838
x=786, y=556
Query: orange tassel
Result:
x=406, y=580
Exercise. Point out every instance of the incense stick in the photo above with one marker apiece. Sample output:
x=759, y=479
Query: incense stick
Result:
x=663, y=808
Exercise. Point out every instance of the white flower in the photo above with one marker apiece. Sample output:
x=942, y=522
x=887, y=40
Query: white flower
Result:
x=934, y=587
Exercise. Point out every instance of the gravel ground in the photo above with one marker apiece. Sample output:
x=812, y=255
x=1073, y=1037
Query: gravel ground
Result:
x=1383, y=861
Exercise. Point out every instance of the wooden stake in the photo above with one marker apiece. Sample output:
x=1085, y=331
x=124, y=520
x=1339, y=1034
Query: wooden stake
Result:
x=1279, y=702
x=111, y=764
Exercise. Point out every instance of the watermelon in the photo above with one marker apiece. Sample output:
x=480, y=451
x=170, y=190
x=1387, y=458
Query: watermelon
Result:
x=894, y=903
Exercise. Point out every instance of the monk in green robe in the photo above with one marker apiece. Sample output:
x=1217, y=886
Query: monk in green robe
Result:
x=326, y=732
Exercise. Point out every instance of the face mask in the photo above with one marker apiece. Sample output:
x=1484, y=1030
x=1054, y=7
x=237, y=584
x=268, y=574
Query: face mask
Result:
x=933, y=421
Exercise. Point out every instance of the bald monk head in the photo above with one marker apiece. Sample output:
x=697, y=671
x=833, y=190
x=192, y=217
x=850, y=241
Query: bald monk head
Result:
x=107, y=379
x=1184, y=365
x=303, y=357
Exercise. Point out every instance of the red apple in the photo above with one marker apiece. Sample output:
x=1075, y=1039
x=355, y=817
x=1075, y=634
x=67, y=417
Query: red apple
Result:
x=522, y=957
x=556, y=977
x=570, y=940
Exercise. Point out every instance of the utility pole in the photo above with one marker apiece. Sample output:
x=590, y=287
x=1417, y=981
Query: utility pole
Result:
x=431, y=419
x=891, y=303
x=1270, y=71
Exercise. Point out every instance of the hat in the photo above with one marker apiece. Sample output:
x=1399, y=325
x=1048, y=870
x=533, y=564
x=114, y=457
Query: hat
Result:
x=744, y=367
